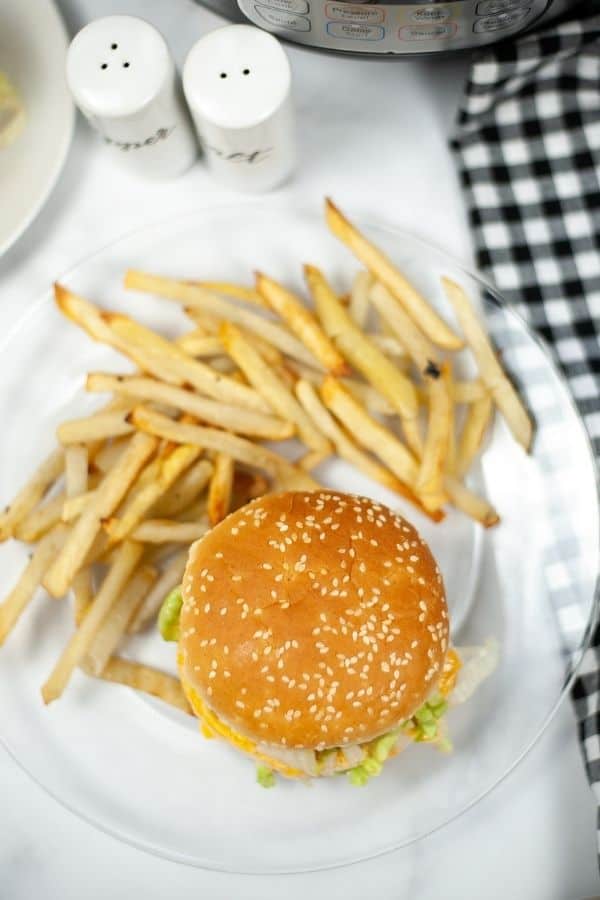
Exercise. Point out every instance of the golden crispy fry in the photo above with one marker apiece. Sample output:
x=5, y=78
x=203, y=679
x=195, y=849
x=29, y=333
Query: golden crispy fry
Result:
x=12, y=607
x=479, y=416
x=505, y=396
x=125, y=560
x=170, y=578
x=161, y=474
x=211, y=439
x=220, y=488
x=41, y=519
x=31, y=493
x=235, y=291
x=302, y=323
x=391, y=346
x=448, y=376
x=233, y=418
x=365, y=356
x=175, y=361
x=359, y=298
x=74, y=506
x=113, y=628
x=106, y=498
x=185, y=491
x=146, y=679
x=96, y=427
x=270, y=386
x=384, y=270
x=200, y=303
x=415, y=343
x=347, y=449
x=163, y=531
x=368, y=431
x=469, y=503
x=430, y=482
x=364, y=393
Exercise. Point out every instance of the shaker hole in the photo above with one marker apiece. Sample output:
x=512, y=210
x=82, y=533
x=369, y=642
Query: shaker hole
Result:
x=113, y=46
x=246, y=72
x=104, y=66
x=223, y=75
x=125, y=65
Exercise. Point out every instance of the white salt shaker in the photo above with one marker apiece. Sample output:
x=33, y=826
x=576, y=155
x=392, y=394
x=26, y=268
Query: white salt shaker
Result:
x=237, y=83
x=123, y=78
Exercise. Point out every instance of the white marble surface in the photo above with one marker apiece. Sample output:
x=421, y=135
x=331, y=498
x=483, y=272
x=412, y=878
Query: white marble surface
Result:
x=374, y=136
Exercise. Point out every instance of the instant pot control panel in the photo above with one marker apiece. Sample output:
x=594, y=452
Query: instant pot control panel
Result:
x=400, y=28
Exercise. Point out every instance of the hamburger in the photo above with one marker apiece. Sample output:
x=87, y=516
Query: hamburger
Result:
x=313, y=635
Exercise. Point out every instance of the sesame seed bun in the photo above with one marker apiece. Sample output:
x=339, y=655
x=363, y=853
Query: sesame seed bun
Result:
x=312, y=620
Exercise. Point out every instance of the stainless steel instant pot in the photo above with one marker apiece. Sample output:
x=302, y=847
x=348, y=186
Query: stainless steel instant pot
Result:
x=394, y=29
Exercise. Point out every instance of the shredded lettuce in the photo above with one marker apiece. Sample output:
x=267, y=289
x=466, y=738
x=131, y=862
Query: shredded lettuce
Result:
x=265, y=776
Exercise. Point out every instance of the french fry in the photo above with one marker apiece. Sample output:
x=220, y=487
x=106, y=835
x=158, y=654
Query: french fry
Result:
x=391, y=346
x=270, y=386
x=108, y=454
x=186, y=489
x=164, y=471
x=163, y=531
x=348, y=450
x=146, y=679
x=170, y=578
x=31, y=493
x=41, y=519
x=470, y=503
x=244, y=451
x=313, y=459
x=359, y=298
x=384, y=270
x=196, y=343
x=468, y=391
x=106, y=498
x=365, y=356
x=29, y=581
x=233, y=418
x=430, y=482
x=174, y=360
x=202, y=302
x=93, y=428
x=302, y=323
x=364, y=393
x=235, y=291
x=220, y=488
x=479, y=416
x=126, y=559
x=415, y=343
x=76, y=483
x=74, y=506
x=505, y=396
x=448, y=376
x=113, y=628
x=369, y=432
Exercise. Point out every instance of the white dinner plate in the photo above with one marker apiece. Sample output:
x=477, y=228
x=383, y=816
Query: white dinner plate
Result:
x=33, y=45
x=141, y=771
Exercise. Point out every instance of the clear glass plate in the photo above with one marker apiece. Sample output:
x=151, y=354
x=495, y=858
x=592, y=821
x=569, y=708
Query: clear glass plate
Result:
x=141, y=771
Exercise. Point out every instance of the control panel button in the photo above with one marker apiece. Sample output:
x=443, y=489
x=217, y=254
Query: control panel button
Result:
x=281, y=19
x=427, y=32
x=499, y=22
x=291, y=6
x=353, y=32
x=431, y=14
x=347, y=12
x=492, y=7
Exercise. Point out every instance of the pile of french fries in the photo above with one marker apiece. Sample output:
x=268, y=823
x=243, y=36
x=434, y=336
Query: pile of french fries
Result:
x=179, y=443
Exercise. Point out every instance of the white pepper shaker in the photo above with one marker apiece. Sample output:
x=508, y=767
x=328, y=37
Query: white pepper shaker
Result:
x=123, y=78
x=237, y=83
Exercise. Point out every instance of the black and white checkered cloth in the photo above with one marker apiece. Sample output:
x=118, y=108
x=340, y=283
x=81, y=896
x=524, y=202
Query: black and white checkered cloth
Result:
x=527, y=143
